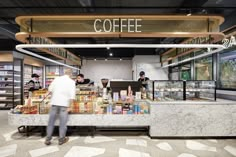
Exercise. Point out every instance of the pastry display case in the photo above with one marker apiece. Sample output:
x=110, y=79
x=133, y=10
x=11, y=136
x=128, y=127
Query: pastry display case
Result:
x=149, y=90
x=168, y=90
x=201, y=90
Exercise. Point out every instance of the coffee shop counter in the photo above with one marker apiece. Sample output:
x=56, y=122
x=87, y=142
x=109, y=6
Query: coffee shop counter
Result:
x=166, y=119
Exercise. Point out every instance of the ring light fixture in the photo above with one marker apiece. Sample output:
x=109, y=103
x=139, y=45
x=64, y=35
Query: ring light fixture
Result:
x=217, y=48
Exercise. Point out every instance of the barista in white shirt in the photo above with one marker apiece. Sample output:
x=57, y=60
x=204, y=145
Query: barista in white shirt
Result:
x=63, y=93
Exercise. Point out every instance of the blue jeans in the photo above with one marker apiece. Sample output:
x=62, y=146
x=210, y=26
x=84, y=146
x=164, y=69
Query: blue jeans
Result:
x=63, y=115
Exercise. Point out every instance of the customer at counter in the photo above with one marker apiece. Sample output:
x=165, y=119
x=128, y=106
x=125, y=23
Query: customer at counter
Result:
x=63, y=93
x=143, y=79
x=81, y=80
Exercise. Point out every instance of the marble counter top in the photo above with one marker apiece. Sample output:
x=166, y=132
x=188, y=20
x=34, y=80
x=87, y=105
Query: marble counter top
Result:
x=166, y=119
x=218, y=102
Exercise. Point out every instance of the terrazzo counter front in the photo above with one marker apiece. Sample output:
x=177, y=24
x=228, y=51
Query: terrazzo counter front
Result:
x=166, y=119
x=189, y=118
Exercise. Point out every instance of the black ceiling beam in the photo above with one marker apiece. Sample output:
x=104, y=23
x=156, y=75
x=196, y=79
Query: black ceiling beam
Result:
x=7, y=44
x=117, y=7
x=196, y=3
x=8, y=30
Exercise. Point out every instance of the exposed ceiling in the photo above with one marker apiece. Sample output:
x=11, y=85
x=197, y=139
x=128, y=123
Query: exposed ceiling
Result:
x=12, y=8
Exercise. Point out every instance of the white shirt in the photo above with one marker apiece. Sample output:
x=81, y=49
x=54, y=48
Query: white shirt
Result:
x=63, y=90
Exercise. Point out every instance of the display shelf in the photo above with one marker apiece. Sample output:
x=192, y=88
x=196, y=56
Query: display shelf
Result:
x=9, y=94
x=9, y=87
x=10, y=70
x=200, y=90
x=10, y=100
x=10, y=75
x=10, y=83
x=5, y=107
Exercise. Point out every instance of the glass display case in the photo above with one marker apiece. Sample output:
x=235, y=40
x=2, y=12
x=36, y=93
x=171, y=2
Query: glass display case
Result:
x=168, y=90
x=149, y=90
x=200, y=90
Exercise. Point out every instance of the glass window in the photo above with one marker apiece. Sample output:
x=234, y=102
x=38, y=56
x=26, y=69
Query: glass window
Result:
x=227, y=70
x=185, y=72
x=203, y=69
x=174, y=74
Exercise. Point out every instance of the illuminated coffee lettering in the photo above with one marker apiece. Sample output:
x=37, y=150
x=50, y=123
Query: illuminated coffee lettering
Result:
x=106, y=23
x=130, y=25
x=113, y=25
x=122, y=24
x=95, y=24
x=137, y=25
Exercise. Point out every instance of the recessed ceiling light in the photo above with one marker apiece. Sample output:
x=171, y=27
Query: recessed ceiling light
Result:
x=189, y=13
x=108, y=48
x=110, y=54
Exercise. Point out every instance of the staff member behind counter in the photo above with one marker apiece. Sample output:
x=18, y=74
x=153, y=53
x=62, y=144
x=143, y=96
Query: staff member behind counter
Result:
x=34, y=83
x=143, y=79
x=81, y=80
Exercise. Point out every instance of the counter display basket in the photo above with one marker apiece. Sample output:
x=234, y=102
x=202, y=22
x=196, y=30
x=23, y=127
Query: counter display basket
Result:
x=168, y=90
x=41, y=99
x=201, y=90
x=37, y=103
x=85, y=100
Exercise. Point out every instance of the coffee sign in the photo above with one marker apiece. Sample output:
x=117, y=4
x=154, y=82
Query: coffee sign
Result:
x=229, y=42
x=117, y=25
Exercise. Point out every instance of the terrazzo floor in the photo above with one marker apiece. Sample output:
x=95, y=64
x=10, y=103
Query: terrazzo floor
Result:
x=13, y=143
